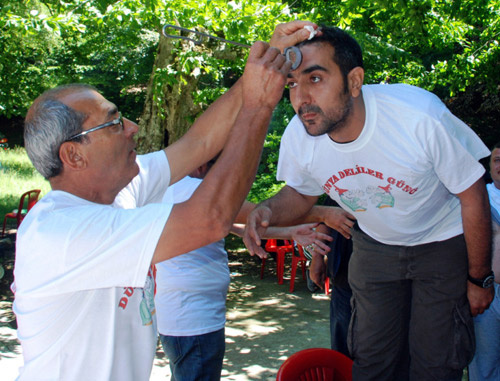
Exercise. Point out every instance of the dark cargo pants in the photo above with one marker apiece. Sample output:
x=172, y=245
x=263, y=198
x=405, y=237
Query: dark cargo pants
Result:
x=411, y=318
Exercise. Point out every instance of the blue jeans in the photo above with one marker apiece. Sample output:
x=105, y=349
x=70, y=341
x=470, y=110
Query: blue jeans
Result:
x=195, y=358
x=486, y=363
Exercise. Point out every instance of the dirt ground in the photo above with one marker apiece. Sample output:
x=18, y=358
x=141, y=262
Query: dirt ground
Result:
x=265, y=323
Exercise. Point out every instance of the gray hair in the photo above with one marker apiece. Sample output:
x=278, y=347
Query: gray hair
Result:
x=49, y=124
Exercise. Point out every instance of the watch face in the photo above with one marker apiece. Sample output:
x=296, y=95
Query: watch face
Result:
x=488, y=282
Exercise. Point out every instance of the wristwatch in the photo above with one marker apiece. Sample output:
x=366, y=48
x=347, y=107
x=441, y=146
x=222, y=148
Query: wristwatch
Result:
x=485, y=282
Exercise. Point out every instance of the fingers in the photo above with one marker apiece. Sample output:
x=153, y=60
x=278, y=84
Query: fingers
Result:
x=251, y=239
x=264, y=77
x=261, y=253
x=341, y=221
x=257, y=223
x=479, y=298
x=321, y=248
x=324, y=237
x=345, y=232
x=317, y=270
x=318, y=280
x=291, y=33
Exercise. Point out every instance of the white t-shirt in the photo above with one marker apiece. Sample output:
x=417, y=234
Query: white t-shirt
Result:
x=191, y=289
x=83, y=294
x=400, y=175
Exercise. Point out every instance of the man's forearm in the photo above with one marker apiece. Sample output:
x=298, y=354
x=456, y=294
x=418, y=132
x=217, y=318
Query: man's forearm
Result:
x=290, y=207
x=477, y=233
x=206, y=138
x=476, y=219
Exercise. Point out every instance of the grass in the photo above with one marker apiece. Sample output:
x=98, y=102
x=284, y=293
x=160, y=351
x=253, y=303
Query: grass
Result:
x=17, y=175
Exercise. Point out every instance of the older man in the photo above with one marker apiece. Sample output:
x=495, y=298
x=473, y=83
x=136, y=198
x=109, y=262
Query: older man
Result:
x=83, y=297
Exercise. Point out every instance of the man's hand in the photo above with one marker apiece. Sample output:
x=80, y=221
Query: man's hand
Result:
x=291, y=33
x=340, y=220
x=317, y=270
x=264, y=76
x=257, y=223
x=479, y=298
x=307, y=234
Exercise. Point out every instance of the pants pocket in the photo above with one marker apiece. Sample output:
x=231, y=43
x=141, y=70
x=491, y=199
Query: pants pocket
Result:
x=463, y=344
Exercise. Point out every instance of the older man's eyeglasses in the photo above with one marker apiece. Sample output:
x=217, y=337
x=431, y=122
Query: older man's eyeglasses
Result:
x=114, y=122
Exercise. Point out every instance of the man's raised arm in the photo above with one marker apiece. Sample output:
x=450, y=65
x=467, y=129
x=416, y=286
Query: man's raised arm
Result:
x=208, y=215
x=205, y=139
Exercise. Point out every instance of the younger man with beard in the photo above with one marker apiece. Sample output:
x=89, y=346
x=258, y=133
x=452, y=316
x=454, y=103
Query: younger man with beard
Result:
x=407, y=170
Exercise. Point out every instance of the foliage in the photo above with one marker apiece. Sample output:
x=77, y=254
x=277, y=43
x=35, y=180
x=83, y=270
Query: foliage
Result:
x=450, y=47
x=47, y=43
x=214, y=65
x=443, y=46
x=18, y=176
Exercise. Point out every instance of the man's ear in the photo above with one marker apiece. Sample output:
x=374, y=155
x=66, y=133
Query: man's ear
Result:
x=355, y=80
x=72, y=156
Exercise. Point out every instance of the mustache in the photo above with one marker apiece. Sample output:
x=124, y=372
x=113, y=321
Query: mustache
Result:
x=310, y=108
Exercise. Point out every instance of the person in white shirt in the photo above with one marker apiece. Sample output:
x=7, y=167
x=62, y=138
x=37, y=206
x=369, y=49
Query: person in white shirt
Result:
x=83, y=296
x=191, y=292
x=486, y=363
x=407, y=171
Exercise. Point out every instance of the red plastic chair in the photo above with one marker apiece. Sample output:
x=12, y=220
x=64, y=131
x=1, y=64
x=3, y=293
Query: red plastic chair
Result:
x=280, y=250
x=30, y=198
x=301, y=258
x=316, y=364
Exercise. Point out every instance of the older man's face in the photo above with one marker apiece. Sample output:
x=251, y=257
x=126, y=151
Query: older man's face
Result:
x=111, y=151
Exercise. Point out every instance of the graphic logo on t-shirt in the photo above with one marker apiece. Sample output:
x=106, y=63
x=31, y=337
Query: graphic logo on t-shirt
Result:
x=148, y=302
x=147, y=305
x=359, y=199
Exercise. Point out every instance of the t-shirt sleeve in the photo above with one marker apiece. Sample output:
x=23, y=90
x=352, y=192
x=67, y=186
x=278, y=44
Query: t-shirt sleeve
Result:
x=455, y=150
x=296, y=151
x=149, y=185
x=90, y=247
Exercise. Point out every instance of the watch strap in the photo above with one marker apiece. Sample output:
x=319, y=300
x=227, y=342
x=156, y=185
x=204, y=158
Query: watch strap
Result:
x=485, y=282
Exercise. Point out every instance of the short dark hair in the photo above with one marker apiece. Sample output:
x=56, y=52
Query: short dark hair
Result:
x=497, y=145
x=347, y=52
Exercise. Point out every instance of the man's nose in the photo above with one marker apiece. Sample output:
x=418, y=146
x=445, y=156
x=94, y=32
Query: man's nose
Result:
x=302, y=96
x=130, y=128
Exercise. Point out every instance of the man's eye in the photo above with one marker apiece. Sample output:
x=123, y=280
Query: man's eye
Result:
x=116, y=127
x=291, y=85
x=315, y=79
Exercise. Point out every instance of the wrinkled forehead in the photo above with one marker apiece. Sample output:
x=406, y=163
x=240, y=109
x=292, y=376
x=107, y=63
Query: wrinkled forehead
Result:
x=315, y=56
x=92, y=104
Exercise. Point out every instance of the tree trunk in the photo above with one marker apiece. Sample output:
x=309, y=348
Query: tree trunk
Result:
x=169, y=108
x=169, y=102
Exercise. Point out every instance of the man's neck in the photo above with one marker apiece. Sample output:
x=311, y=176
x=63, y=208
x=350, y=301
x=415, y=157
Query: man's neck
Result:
x=353, y=125
x=82, y=192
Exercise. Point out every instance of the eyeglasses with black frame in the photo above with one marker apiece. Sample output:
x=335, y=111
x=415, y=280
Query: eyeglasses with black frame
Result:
x=114, y=122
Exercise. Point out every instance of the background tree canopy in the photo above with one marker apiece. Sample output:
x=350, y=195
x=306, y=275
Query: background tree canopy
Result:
x=450, y=47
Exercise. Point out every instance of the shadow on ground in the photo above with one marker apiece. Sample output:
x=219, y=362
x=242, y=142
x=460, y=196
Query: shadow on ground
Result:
x=266, y=323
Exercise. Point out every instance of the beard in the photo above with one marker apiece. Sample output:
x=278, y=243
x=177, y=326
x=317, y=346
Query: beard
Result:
x=329, y=121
